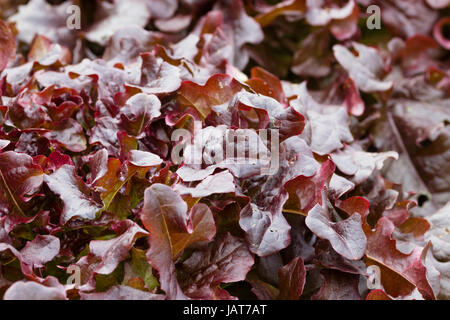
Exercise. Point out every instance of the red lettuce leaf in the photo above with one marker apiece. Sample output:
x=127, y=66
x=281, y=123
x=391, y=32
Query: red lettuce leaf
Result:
x=229, y=261
x=8, y=45
x=73, y=192
x=338, y=286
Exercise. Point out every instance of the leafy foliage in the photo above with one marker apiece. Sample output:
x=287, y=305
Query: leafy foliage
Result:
x=89, y=184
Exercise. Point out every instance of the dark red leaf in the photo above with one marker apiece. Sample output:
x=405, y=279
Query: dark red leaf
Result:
x=74, y=194
x=163, y=213
x=7, y=45
x=338, y=286
x=228, y=260
x=218, y=90
x=292, y=280
x=346, y=236
x=400, y=272
x=20, y=179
